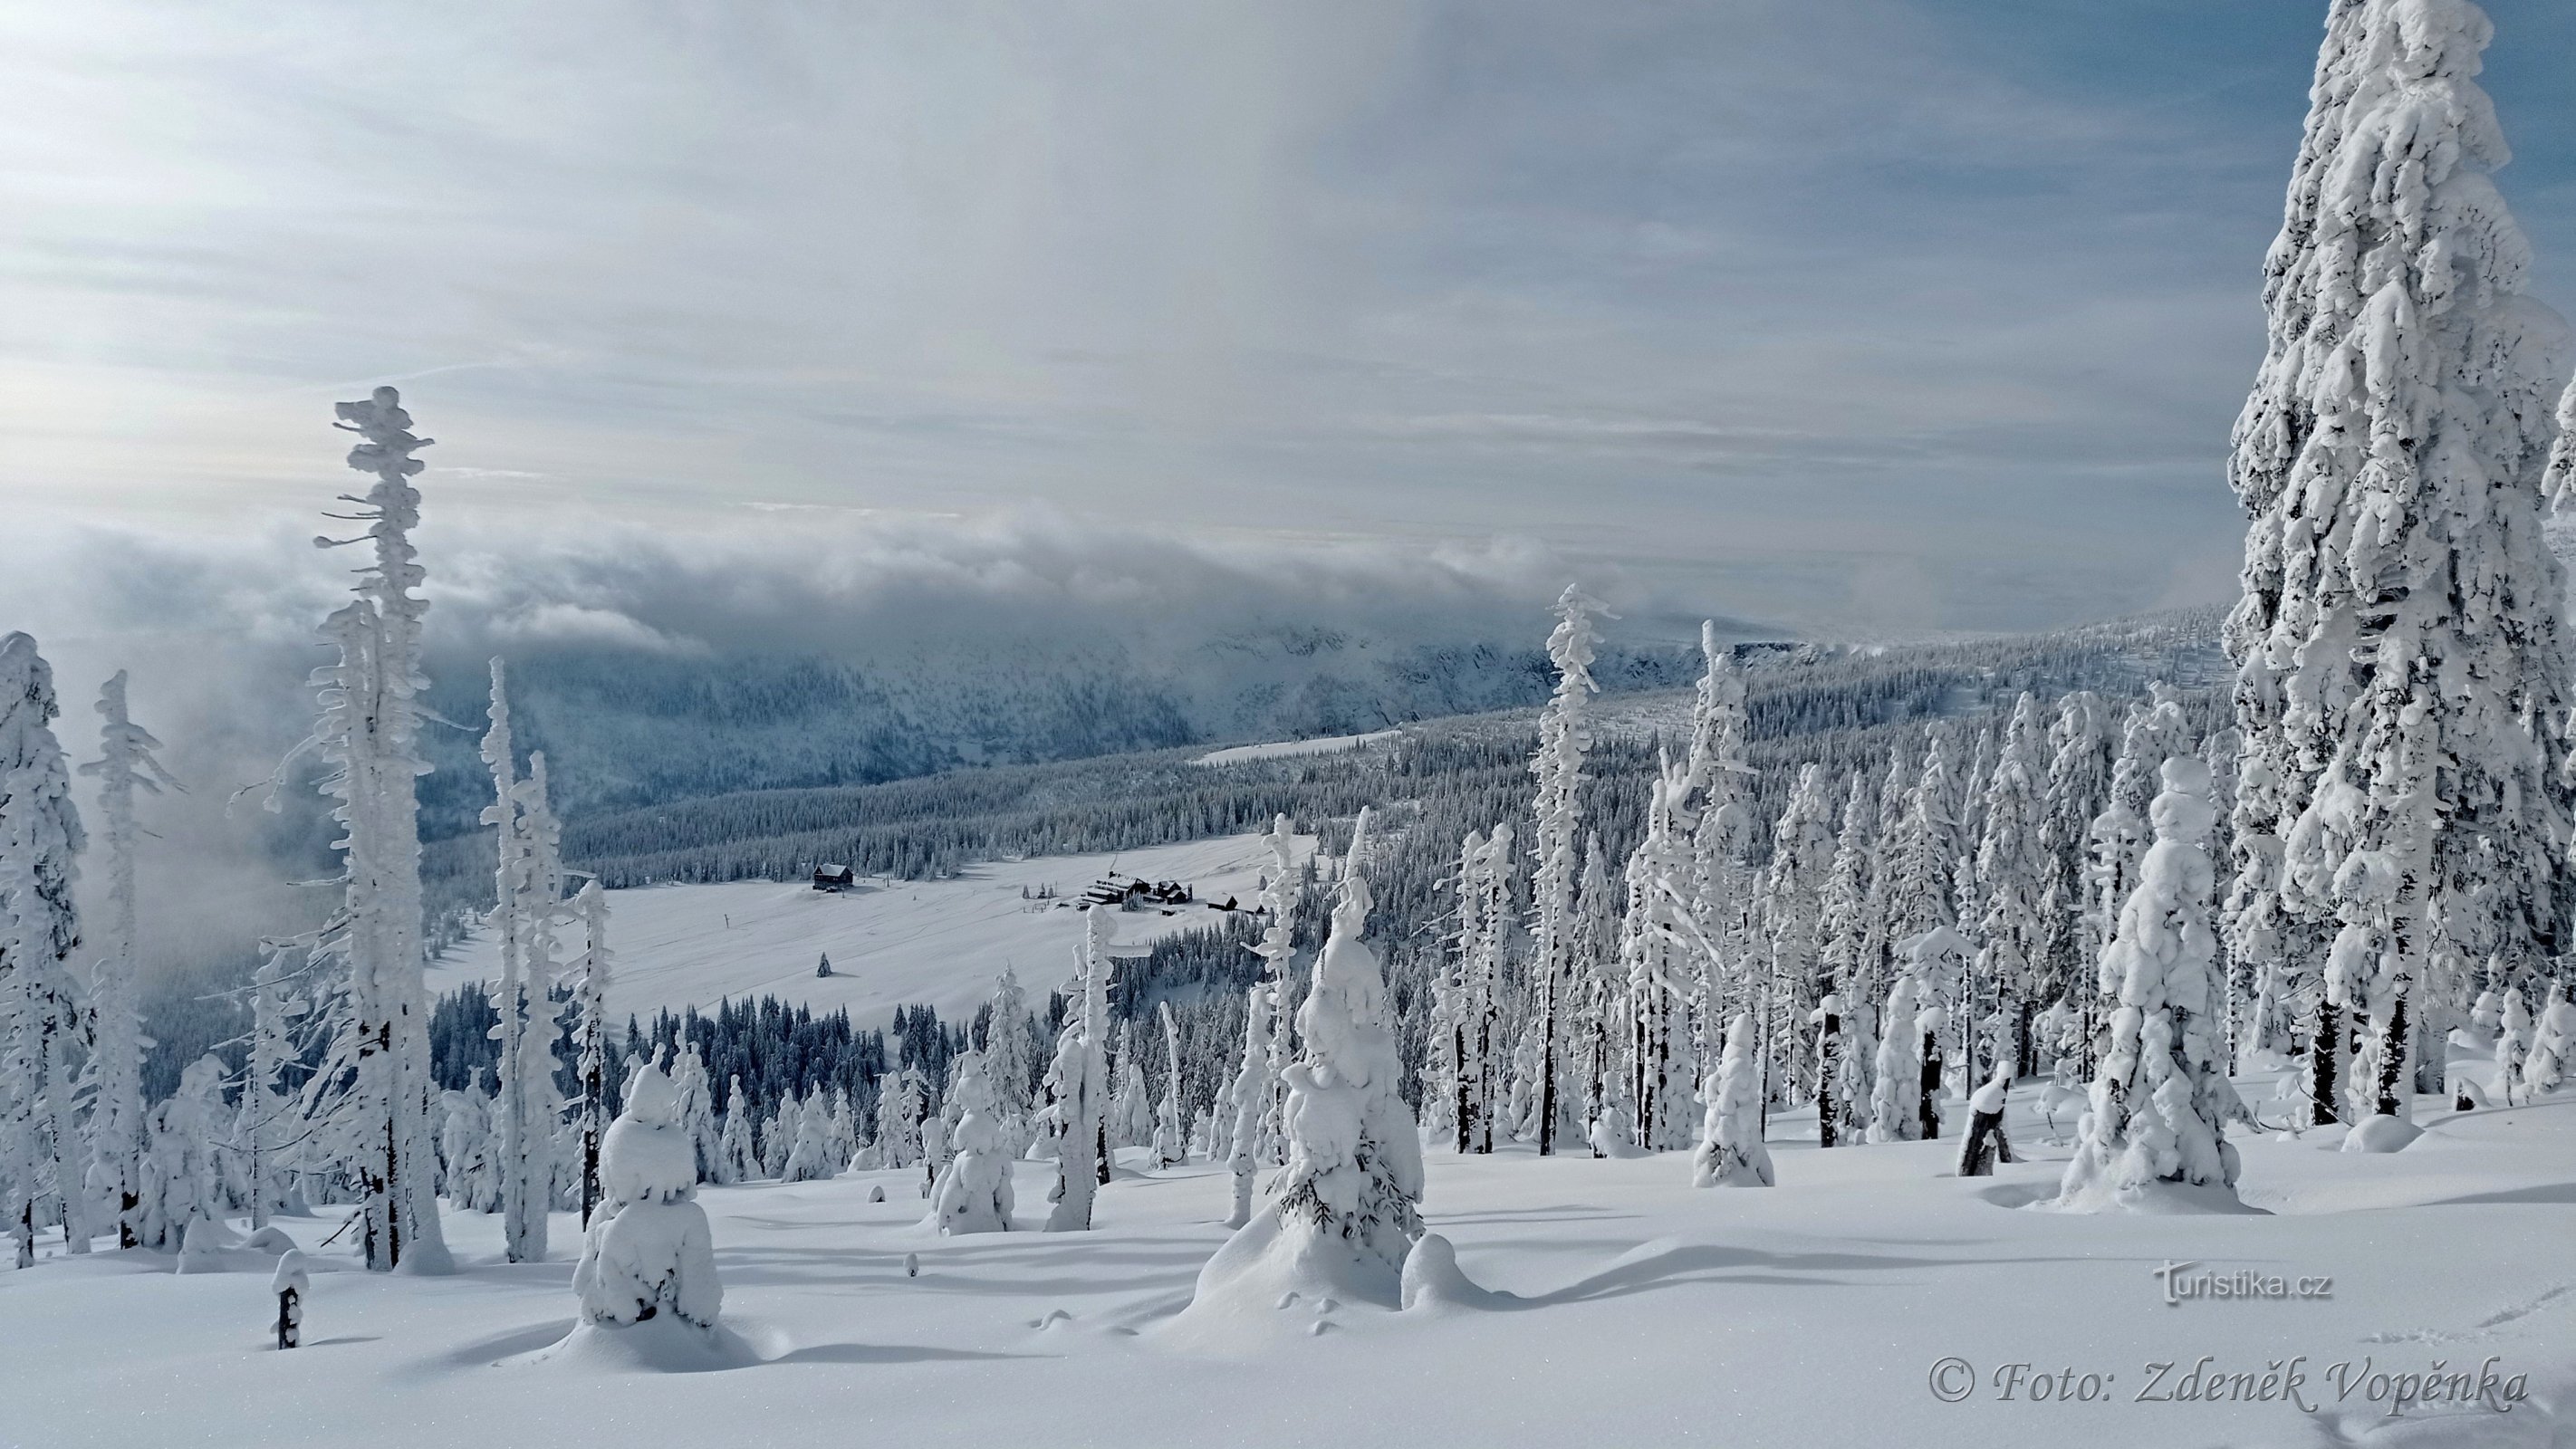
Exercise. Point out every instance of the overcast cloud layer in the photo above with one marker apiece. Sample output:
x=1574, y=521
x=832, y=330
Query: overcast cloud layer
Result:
x=1865, y=315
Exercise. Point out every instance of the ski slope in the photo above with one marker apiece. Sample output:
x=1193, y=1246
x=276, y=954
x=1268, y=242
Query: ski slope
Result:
x=1290, y=749
x=892, y=943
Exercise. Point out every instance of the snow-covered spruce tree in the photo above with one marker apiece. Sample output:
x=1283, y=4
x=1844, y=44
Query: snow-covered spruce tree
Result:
x=1720, y=807
x=698, y=1108
x=1845, y=955
x=180, y=1181
x=465, y=1142
x=591, y=1035
x=1792, y=899
x=41, y=1152
x=1343, y=1213
x=2400, y=665
x=812, y=1155
x=973, y=1192
x=1081, y=1078
x=267, y=1108
x=2079, y=784
x=1730, y=1152
x=1131, y=1108
x=2012, y=866
x=370, y=1099
x=735, y=1159
x=1892, y=1116
x=649, y=1252
x=1657, y=938
x=2553, y=1041
x=1010, y=1060
x=1599, y=1036
x=527, y=903
x=1256, y=1084
x=1557, y=813
x=1923, y=854
x=1447, y=1062
x=2160, y=1100
x=125, y=764
x=2513, y=1046
x=1171, y=1139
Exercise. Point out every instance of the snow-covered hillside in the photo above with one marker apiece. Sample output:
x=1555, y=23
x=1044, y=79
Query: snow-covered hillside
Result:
x=1843, y=1307
x=892, y=943
x=1290, y=749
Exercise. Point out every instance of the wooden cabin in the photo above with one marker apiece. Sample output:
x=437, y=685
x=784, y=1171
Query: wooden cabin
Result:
x=834, y=877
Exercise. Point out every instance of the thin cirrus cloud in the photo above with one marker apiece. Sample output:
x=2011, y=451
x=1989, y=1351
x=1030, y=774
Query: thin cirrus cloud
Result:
x=1895, y=312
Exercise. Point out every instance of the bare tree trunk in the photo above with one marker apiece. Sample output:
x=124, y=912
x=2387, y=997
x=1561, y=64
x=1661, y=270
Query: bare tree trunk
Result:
x=2321, y=1064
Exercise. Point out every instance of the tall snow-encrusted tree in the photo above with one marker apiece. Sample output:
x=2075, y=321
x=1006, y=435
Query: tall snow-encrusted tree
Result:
x=1658, y=939
x=1556, y=835
x=1081, y=1079
x=1256, y=1084
x=2402, y=679
x=2012, y=868
x=1343, y=1212
x=125, y=765
x=2079, y=782
x=1448, y=1061
x=1792, y=898
x=1892, y=1116
x=527, y=907
x=1010, y=1060
x=735, y=1158
x=1923, y=854
x=1171, y=1137
x=2160, y=1099
x=41, y=1152
x=1846, y=956
x=371, y=1098
x=1720, y=807
x=591, y=1035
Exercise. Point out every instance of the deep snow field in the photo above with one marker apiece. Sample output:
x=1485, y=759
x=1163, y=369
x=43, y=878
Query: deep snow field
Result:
x=1649, y=1313
x=892, y=943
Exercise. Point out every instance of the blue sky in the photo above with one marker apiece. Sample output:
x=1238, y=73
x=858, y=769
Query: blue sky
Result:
x=1874, y=314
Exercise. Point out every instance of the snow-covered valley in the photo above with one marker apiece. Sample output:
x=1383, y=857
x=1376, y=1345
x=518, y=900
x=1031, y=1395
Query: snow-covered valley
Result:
x=891, y=942
x=1644, y=1312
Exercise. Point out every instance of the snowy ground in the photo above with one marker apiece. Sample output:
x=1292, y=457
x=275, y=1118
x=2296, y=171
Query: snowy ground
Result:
x=892, y=943
x=1811, y=1314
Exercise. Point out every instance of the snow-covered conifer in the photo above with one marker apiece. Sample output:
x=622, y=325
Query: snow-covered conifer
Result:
x=1730, y=1152
x=1171, y=1143
x=2011, y=868
x=1344, y=1210
x=1557, y=813
x=591, y=1039
x=373, y=1106
x=2160, y=1099
x=812, y=1155
x=736, y=1160
x=1660, y=941
x=649, y=1251
x=973, y=1192
x=1256, y=1084
x=1081, y=1077
x=2553, y=1041
x=1923, y=855
x=180, y=1181
x=1845, y=956
x=41, y=1152
x=1010, y=1059
x=2400, y=656
x=125, y=765
x=1892, y=1116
